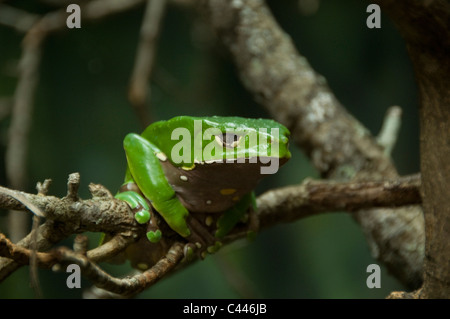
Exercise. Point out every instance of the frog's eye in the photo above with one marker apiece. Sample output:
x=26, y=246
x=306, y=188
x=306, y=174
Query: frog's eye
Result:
x=229, y=140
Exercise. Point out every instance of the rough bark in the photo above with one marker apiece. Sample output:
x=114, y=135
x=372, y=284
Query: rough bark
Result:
x=425, y=25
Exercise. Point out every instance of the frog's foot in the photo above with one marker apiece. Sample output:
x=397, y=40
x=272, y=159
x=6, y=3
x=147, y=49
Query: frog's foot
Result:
x=200, y=240
x=142, y=209
x=153, y=234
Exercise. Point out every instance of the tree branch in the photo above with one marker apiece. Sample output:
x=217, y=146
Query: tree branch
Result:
x=312, y=197
x=66, y=216
x=389, y=131
x=139, y=86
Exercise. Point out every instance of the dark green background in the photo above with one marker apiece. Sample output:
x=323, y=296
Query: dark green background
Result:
x=81, y=114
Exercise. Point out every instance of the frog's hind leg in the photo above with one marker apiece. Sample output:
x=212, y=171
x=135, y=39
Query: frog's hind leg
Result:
x=201, y=237
x=253, y=223
x=236, y=214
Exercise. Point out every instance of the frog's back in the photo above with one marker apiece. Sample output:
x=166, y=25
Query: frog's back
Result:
x=167, y=134
x=161, y=131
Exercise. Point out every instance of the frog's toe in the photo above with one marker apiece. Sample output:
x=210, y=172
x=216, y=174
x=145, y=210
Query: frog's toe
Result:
x=188, y=251
x=154, y=236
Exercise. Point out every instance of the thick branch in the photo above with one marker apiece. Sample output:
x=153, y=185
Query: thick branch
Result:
x=106, y=214
x=312, y=197
x=96, y=215
x=425, y=25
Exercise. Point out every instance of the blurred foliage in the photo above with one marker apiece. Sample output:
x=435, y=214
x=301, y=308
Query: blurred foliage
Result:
x=81, y=114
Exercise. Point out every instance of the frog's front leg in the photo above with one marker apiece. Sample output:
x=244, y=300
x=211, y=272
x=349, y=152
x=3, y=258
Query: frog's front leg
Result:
x=200, y=237
x=143, y=161
x=141, y=207
x=145, y=170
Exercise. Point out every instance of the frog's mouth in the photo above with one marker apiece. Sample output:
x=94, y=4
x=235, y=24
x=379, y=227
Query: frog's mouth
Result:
x=214, y=187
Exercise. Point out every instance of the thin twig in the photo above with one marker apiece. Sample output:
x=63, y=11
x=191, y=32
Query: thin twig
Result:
x=15, y=18
x=126, y=286
x=109, y=249
x=72, y=186
x=17, y=146
x=389, y=131
x=43, y=188
x=80, y=244
x=23, y=255
x=132, y=285
x=48, y=235
x=34, y=276
x=139, y=91
x=23, y=199
x=5, y=107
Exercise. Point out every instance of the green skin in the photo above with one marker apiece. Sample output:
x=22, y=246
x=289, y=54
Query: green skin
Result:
x=177, y=167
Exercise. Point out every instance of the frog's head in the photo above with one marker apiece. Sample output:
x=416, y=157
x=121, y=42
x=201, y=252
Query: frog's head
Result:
x=237, y=141
x=218, y=157
x=188, y=141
